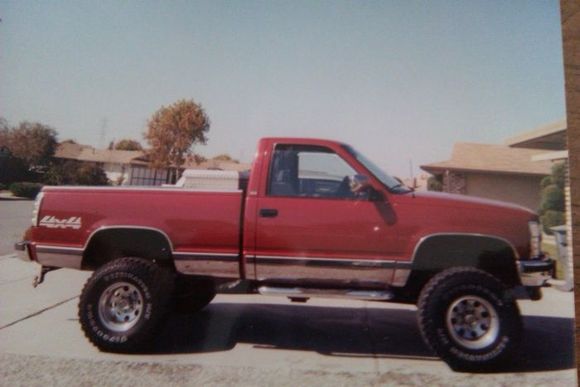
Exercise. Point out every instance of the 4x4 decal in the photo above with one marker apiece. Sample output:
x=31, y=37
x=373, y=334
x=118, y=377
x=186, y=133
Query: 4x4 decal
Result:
x=74, y=222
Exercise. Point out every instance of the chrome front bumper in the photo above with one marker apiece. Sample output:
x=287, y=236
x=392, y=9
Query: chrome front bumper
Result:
x=535, y=272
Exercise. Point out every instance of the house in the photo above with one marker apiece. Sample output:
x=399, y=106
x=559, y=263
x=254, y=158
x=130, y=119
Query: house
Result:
x=133, y=167
x=552, y=139
x=491, y=171
x=510, y=172
x=121, y=167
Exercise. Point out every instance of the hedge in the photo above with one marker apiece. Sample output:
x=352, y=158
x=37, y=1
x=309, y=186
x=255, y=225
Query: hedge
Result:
x=25, y=189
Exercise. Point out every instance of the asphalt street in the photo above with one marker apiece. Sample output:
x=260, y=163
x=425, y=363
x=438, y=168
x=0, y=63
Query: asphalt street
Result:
x=251, y=340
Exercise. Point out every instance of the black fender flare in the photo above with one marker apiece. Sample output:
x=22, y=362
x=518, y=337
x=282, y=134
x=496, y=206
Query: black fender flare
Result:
x=112, y=242
x=437, y=252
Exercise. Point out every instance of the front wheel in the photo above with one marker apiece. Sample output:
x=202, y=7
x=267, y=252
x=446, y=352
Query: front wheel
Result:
x=466, y=317
x=122, y=304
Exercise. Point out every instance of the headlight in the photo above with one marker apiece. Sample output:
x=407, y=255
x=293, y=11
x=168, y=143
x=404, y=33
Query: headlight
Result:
x=36, y=209
x=535, y=239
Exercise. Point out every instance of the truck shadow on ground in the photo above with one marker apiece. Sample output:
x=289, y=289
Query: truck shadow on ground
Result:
x=345, y=332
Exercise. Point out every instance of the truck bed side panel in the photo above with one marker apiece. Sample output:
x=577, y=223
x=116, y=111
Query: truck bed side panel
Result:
x=202, y=227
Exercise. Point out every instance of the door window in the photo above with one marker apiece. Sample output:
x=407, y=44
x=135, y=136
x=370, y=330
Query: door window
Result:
x=309, y=171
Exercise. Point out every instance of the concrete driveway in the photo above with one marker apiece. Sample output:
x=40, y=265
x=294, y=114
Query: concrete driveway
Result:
x=253, y=340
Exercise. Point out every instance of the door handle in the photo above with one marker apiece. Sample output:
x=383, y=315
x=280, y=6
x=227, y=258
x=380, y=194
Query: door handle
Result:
x=268, y=212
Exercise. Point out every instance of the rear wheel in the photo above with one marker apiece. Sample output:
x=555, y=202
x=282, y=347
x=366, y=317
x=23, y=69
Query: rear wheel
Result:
x=466, y=317
x=123, y=302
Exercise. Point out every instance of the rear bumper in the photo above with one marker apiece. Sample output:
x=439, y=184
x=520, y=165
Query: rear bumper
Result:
x=535, y=272
x=23, y=250
x=49, y=255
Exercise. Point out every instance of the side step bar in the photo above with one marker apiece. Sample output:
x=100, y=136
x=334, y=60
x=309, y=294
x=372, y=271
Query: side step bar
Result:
x=302, y=293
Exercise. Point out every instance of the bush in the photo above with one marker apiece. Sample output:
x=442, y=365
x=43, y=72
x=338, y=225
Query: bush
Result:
x=552, y=218
x=552, y=199
x=75, y=173
x=546, y=181
x=25, y=189
x=553, y=202
x=435, y=183
x=88, y=174
x=2, y=187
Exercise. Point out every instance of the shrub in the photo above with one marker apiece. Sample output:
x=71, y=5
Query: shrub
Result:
x=553, y=204
x=88, y=174
x=2, y=187
x=552, y=218
x=546, y=181
x=75, y=173
x=25, y=189
x=435, y=183
x=552, y=198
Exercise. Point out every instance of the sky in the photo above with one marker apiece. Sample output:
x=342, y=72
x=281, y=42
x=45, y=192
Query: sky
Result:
x=401, y=81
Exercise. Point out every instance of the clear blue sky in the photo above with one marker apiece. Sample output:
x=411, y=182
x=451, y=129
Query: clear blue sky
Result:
x=396, y=79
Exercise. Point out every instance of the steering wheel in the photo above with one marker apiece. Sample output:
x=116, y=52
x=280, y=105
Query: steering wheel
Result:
x=343, y=190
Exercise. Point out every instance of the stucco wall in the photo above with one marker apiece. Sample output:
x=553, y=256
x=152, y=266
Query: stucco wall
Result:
x=523, y=190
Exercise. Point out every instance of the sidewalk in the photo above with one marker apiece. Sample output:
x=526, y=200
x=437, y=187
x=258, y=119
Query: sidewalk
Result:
x=7, y=195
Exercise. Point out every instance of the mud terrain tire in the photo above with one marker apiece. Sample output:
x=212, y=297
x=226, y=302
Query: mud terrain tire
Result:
x=468, y=319
x=123, y=303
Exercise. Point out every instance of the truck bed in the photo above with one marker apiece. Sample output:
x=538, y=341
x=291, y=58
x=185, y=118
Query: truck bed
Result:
x=197, y=223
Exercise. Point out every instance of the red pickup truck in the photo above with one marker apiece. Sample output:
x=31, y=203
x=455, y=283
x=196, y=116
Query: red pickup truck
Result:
x=313, y=218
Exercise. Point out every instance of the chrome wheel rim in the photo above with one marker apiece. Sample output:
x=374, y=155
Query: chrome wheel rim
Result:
x=120, y=306
x=472, y=322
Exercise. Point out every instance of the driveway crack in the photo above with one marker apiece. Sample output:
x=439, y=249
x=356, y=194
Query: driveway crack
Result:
x=38, y=312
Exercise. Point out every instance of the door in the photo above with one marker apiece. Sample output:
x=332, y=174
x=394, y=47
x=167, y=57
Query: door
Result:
x=313, y=229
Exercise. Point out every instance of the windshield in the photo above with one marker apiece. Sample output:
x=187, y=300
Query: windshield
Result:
x=390, y=182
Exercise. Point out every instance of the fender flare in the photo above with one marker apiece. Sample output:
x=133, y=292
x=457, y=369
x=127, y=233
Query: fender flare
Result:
x=437, y=252
x=153, y=243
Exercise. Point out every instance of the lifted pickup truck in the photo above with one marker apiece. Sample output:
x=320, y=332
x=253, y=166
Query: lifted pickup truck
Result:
x=313, y=218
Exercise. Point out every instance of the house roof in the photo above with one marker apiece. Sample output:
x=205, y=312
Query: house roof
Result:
x=80, y=152
x=492, y=159
x=551, y=137
x=87, y=153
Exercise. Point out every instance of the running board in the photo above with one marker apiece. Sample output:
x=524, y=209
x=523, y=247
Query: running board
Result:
x=302, y=293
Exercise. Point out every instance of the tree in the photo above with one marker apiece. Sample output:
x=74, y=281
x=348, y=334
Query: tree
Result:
x=128, y=144
x=172, y=131
x=32, y=142
x=225, y=157
x=25, y=150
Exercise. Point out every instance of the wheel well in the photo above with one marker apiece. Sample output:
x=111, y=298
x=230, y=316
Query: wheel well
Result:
x=437, y=253
x=109, y=244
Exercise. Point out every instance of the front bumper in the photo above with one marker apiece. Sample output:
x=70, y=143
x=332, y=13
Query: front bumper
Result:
x=23, y=250
x=535, y=272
